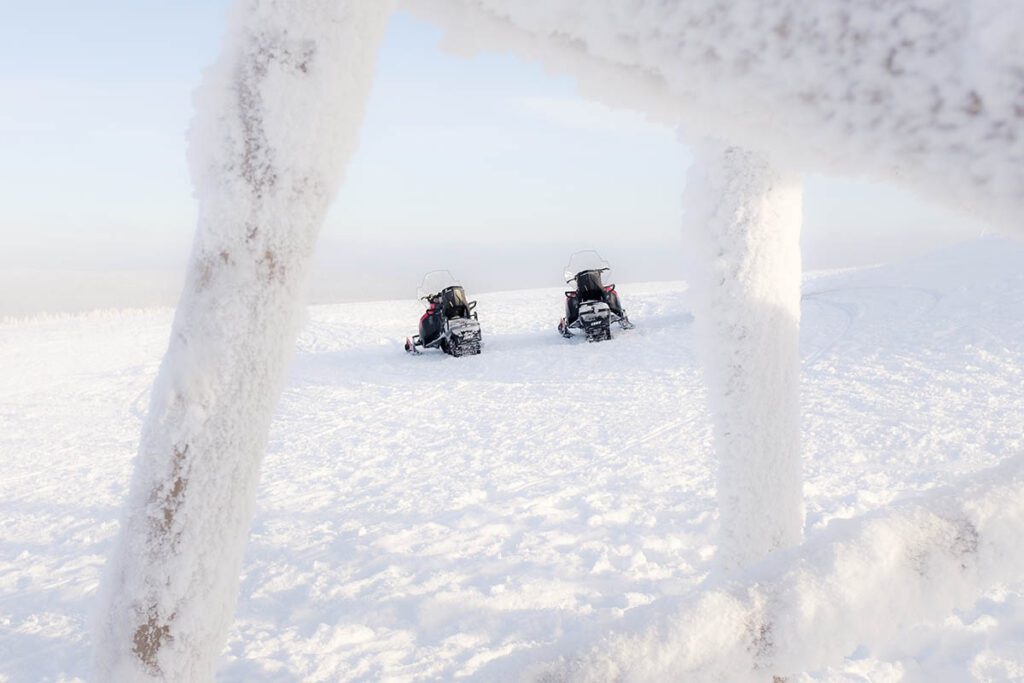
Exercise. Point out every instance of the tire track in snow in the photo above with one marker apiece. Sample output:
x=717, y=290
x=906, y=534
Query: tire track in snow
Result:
x=850, y=314
x=854, y=311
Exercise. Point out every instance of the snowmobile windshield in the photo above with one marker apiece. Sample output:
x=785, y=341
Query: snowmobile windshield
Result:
x=435, y=282
x=582, y=261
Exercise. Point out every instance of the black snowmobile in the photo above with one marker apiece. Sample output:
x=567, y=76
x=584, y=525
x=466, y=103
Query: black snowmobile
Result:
x=592, y=307
x=449, y=323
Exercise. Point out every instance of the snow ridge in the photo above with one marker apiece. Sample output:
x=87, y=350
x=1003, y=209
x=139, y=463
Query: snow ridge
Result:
x=857, y=584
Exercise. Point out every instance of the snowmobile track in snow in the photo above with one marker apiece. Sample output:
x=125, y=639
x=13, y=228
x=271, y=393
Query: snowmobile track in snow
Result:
x=855, y=311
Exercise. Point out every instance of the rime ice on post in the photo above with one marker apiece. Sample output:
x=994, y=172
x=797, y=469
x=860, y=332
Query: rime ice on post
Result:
x=277, y=118
x=928, y=94
x=742, y=225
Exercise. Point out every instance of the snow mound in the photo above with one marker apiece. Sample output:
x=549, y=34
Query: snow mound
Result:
x=856, y=585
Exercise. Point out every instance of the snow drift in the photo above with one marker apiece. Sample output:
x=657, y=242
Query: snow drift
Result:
x=278, y=116
x=856, y=585
x=928, y=94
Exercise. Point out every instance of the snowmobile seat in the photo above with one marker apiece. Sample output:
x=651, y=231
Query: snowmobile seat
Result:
x=589, y=286
x=454, y=304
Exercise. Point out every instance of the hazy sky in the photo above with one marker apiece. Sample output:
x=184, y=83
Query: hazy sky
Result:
x=485, y=164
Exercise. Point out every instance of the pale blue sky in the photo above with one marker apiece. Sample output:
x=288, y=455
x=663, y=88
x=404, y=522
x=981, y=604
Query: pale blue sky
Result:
x=489, y=153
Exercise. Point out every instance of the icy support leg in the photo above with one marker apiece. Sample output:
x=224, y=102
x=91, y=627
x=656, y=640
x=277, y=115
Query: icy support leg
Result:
x=742, y=228
x=278, y=117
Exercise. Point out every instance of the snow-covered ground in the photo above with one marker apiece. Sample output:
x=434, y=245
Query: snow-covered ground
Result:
x=426, y=518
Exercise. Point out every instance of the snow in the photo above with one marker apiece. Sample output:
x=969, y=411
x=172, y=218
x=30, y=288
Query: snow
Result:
x=904, y=90
x=853, y=588
x=429, y=518
x=928, y=94
x=742, y=219
x=277, y=118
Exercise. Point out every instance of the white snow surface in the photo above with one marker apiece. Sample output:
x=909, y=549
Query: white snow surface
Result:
x=425, y=518
x=925, y=93
x=853, y=587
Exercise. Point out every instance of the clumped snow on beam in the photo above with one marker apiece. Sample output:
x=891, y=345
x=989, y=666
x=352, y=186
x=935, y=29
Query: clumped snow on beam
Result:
x=926, y=93
x=277, y=118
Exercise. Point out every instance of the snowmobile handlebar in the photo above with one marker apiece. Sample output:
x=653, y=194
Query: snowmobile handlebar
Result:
x=436, y=298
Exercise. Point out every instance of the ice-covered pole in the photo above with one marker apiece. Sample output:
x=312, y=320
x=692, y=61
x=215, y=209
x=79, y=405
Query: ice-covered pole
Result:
x=277, y=118
x=742, y=225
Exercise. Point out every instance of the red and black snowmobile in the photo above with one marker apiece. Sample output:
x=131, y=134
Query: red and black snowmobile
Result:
x=592, y=307
x=449, y=323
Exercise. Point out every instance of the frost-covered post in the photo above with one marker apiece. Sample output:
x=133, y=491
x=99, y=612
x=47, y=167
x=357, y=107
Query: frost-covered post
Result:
x=277, y=118
x=742, y=223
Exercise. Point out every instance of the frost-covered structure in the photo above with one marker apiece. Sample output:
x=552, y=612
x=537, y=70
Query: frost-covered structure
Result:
x=278, y=117
x=925, y=93
x=742, y=229
x=928, y=93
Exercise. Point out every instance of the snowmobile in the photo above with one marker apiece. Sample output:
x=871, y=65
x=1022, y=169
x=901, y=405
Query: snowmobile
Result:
x=449, y=323
x=592, y=307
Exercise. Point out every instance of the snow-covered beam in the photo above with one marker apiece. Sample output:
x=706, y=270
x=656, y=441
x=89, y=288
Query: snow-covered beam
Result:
x=925, y=93
x=742, y=221
x=278, y=116
x=855, y=585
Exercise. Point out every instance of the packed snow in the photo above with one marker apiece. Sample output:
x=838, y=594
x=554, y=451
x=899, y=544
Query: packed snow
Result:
x=424, y=518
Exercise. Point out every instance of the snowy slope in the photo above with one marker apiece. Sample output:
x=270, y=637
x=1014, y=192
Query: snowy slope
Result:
x=427, y=518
